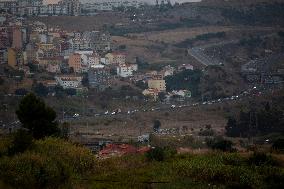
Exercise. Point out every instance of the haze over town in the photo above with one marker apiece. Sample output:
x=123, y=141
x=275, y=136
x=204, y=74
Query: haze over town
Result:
x=122, y=94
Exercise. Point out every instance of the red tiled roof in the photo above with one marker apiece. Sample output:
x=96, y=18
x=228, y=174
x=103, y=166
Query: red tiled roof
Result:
x=122, y=149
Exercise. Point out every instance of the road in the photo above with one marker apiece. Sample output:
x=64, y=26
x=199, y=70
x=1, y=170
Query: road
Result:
x=200, y=56
x=254, y=91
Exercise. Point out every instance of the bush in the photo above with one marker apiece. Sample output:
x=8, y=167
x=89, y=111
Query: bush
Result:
x=220, y=144
x=30, y=170
x=259, y=159
x=157, y=125
x=49, y=163
x=278, y=145
x=79, y=159
x=156, y=154
x=5, y=145
x=1, y=81
x=206, y=132
x=22, y=140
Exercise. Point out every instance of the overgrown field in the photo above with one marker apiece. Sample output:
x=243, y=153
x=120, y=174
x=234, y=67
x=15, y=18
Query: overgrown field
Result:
x=54, y=163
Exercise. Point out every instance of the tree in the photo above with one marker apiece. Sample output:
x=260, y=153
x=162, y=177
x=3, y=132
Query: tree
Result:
x=162, y=96
x=157, y=154
x=85, y=80
x=21, y=92
x=232, y=129
x=40, y=89
x=157, y=125
x=38, y=118
x=220, y=144
x=278, y=145
x=71, y=92
x=1, y=81
x=59, y=91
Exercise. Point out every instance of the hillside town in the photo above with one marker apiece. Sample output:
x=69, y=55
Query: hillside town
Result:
x=62, y=7
x=68, y=57
x=141, y=94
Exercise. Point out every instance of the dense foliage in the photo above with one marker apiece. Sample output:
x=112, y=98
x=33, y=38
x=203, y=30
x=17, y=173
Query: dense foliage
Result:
x=55, y=163
x=185, y=80
x=203, y=37
x=49, y=163
x=256, y=121
x=258, y=14
x=214, y=170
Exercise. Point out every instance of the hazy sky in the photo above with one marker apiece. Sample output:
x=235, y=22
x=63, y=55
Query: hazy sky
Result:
x=150, y=1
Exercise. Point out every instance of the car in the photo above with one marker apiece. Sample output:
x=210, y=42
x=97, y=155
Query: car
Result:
x=173, y=106
x=107, y=112
x=113, y=113
x=76, y=115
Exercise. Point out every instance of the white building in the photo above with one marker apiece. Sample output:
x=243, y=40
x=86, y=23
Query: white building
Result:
x=167, y=71
x=126, y=70
x=69, y=81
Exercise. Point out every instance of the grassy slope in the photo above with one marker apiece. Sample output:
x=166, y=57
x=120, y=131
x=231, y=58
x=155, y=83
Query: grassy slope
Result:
x=183, y=171
x=54, y=163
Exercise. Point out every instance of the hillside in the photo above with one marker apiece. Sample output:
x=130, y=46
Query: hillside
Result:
x=54, y=163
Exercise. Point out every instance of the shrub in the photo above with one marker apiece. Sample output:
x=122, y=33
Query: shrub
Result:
x=156, y=125
x=5, y=145
x=22, y=140
x=49, y=163
x=259, y=159
x=30, y=170
x=278, y=145
x=79, y=159
x=220, y=144
x=156, y=154
x=206, y=132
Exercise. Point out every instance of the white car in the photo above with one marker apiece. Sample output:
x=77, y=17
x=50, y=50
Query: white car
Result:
x=76, y=115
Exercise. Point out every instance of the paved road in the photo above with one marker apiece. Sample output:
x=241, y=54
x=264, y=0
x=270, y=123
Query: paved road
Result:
x=200, y=56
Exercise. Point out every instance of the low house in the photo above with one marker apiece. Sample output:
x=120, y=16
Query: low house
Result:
x=53, y=68
x=115, y=58
x=126, y=70
x=167, y=71
x=54, y=61
x=111, y=150
x=99, y=77
x=75, y=62
x=153, y=93
x=182, y=93
x=158, y=84
x=185, y=67
x=68, y=82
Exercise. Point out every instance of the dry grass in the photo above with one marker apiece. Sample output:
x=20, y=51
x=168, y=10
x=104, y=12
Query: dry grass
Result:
x=129, y=126
x=83, y=23
x=178, y=35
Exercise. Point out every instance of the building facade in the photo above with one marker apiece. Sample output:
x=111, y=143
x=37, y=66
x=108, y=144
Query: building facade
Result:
x=158, y=84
